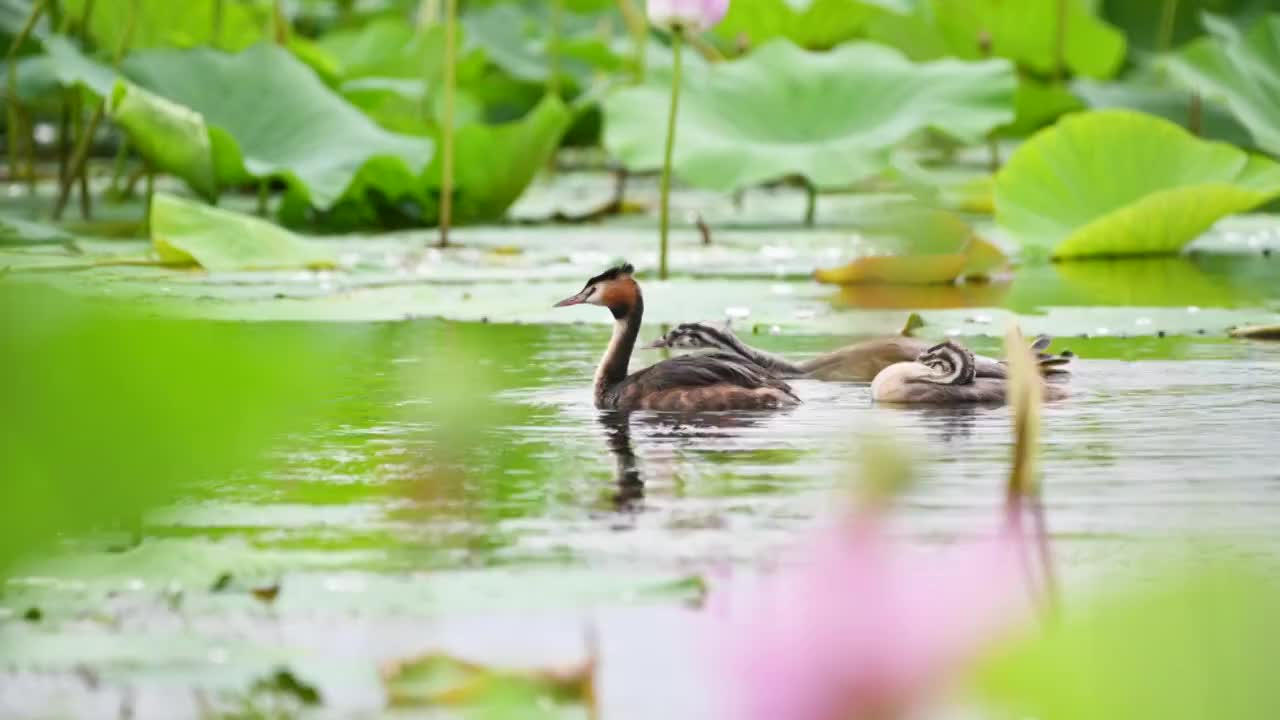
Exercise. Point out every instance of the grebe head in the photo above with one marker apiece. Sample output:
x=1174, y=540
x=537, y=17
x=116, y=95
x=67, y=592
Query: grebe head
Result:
x=695, y=336
x=953, y=364
x=614, y=288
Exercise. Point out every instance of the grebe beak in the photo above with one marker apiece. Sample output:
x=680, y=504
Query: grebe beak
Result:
x=573, y=299
x=655, y=345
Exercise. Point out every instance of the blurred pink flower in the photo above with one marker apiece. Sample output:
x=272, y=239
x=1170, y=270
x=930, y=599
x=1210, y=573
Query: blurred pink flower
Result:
x=866, y=627
x=693, y=14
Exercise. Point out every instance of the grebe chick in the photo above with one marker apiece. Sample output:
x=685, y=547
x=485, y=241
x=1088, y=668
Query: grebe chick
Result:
x=945, y=374
x=716, y=381
x=860, y=362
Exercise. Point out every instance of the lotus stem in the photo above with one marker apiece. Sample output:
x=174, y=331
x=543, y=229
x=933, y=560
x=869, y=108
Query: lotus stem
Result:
x=85, y=17
x=264, y=196
x=14, y=121
x=119, y=165
x=810, y=202
x=1168, y=15
x=664, y=206
x=280, y=23
x=29, y=126
x=639, y=29
x=78, y=160
x=446, y=124
x=553, y=47
x=1060, y=44
x=215, y=33
x=1195, y=114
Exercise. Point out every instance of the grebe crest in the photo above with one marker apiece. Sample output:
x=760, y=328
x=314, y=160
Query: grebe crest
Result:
x=952, y=363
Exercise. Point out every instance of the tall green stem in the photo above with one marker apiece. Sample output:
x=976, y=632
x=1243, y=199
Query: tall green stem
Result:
x=1060, y=44
x=639, y=29
x=553, y=47
x=1168, y=14
x=215, y=35
x=446, y=123
x=664, y=207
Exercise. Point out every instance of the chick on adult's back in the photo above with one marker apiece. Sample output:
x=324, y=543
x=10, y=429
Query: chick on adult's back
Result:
x=715, y=381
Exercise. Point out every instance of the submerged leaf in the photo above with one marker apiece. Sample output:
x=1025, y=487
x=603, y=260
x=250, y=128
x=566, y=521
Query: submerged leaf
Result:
x=923, y=247
x=444, y=680
x=1123, y=183
x=829, y=117
x=186, y=232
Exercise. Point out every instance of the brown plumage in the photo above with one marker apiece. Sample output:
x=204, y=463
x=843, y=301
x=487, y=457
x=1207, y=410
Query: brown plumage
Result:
x=716, y=381
x=860, y=362
x=945, y=374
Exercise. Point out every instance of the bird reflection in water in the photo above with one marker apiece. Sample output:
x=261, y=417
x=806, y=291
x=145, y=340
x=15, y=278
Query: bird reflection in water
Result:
x=670, y=428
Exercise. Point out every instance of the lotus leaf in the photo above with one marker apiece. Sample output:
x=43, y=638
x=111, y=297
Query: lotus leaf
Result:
x=505, y=33
x=185, y=232
x=1144, y=26
x=831, y=117
x=816, y=25
x=164, y=23
x=306, y=134
x=1241, y=69
x=172, y=137
x=1117, y=182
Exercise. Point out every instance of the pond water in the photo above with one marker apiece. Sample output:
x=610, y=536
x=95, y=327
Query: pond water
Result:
x=556, y=517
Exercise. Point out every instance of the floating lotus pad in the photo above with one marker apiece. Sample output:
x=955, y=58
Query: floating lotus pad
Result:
x=1117, y=182
x=830, y=117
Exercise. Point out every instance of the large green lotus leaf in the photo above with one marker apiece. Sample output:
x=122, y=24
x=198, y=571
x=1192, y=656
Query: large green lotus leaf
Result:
x=1243, y=70
x=831, y=117
x=284, y=121
x=1117, y=182
x=165, y=23
x=68, y=66
x=185, y=232
x=1025, y=31
x=812, y=24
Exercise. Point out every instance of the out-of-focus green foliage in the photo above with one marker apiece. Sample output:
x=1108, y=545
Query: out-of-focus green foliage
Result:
x=192, y=233
x=816, y=25
x=1025, y=31
x=1123, y=183
x=164, y=23
x=16, y=231
x=1198, y=643
x=1145, y=26
x=107, y=412
x=1240, y=68
x=1149, y=92
x=830, y=117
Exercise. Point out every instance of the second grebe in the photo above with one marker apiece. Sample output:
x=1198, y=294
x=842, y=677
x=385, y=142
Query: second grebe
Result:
x=945, y=374
x=860, y=362
x=715, y=381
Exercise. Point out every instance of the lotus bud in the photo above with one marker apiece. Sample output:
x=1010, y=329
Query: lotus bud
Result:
x=689, y=14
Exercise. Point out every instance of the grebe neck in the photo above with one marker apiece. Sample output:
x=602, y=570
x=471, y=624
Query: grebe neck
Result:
x=617, y=357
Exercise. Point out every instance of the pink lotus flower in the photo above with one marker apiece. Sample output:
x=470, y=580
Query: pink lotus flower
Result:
x=867, y=628
x=691, y=14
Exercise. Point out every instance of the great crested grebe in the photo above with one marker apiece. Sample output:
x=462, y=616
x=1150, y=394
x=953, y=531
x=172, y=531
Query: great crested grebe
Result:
x=860, y=362
x=715, y=381
x=945, y=374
